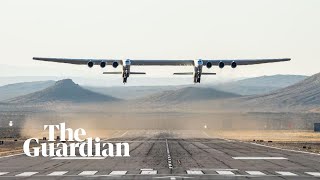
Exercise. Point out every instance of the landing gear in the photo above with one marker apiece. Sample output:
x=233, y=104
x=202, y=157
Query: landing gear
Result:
x=196, y=79
x=125, y=74
x=125, y=80
x=197, y=74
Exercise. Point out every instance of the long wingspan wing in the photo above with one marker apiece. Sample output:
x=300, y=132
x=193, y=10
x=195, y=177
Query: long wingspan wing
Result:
x=162, y=62
x=77, y=61
x=245, y=61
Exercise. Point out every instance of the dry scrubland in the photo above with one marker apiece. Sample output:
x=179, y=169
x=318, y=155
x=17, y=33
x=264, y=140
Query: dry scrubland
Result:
x=269, y=135
x=301, y=140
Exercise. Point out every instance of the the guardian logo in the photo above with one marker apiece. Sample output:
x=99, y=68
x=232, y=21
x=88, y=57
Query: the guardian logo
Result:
x=74, y=146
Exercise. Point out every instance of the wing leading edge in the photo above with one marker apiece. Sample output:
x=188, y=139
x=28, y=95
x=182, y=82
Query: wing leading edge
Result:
x=77, y=61
x=245, y=61
x=162, y=62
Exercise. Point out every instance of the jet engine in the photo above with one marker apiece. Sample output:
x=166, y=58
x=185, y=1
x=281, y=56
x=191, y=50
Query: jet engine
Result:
x=103, y=64
x=90, y=64
x=115, y=64
x=209, y=65
x=221, y=64
x=233, y=64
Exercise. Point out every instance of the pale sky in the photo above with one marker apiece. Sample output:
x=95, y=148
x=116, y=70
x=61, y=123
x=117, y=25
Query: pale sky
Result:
x=159, y=29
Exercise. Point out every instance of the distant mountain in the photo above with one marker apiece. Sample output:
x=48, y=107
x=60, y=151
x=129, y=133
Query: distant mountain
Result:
x=260, y=85
x=131, y=92
x=303, y=94
x=18, y=89
x=62, y=91
x=188, y=94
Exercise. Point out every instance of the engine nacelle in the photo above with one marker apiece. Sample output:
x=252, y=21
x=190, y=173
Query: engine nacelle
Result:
x=221, y=64
x=90, y=64
x=115, y=64
x=233, y=64
x=209, y=65
x=103, y=64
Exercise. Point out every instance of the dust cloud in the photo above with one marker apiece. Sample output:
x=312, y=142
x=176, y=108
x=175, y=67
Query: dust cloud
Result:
x=102, y=120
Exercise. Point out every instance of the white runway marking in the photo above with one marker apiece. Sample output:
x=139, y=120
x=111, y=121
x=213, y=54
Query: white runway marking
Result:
x=208, y=169
x=124, y=134
x=149, y=172
x=87, y=173
x=194, y=172
x=3, y=173
x=229, y=173
x=290, y=150
x=317, y=174
x=12, y=155
x=259, y=158
x=146, y=169
x=256, y=173
x=27, y=174
x=81, y=158
x=169, y=156
x=118, y=173
x=57, y=173
x=286, y=173
x=206, y=134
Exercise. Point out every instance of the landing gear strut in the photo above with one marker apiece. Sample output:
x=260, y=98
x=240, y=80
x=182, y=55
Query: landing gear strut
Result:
x=125, y=74
x=197, y=74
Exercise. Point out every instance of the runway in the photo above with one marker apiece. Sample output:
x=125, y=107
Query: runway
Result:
x=170, y=154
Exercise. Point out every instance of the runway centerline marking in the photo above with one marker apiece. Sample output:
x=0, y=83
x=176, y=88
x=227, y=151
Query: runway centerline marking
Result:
x=169, y=156
x=58, y=173
x=284, y=173
x=260, y=158
x=229, y=173
x=26, y=174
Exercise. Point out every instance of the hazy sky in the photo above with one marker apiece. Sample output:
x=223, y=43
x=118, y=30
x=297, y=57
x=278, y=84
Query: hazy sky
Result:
x=159, y=29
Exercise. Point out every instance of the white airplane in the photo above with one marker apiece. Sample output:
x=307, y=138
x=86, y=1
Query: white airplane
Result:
x=197, y=64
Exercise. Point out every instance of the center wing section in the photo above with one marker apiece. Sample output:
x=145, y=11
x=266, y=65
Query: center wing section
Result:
x=162, y=62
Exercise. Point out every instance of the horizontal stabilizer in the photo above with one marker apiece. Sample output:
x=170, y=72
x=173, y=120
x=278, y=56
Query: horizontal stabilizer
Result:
x=183, y=73
x=209, y=73
x=112, y=72
x=137, y=73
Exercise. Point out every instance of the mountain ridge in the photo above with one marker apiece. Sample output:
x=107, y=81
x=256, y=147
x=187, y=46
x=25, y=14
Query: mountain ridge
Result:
x=63, y=91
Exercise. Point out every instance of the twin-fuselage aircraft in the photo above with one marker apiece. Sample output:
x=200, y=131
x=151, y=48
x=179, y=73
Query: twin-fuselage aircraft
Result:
x=197, y=64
